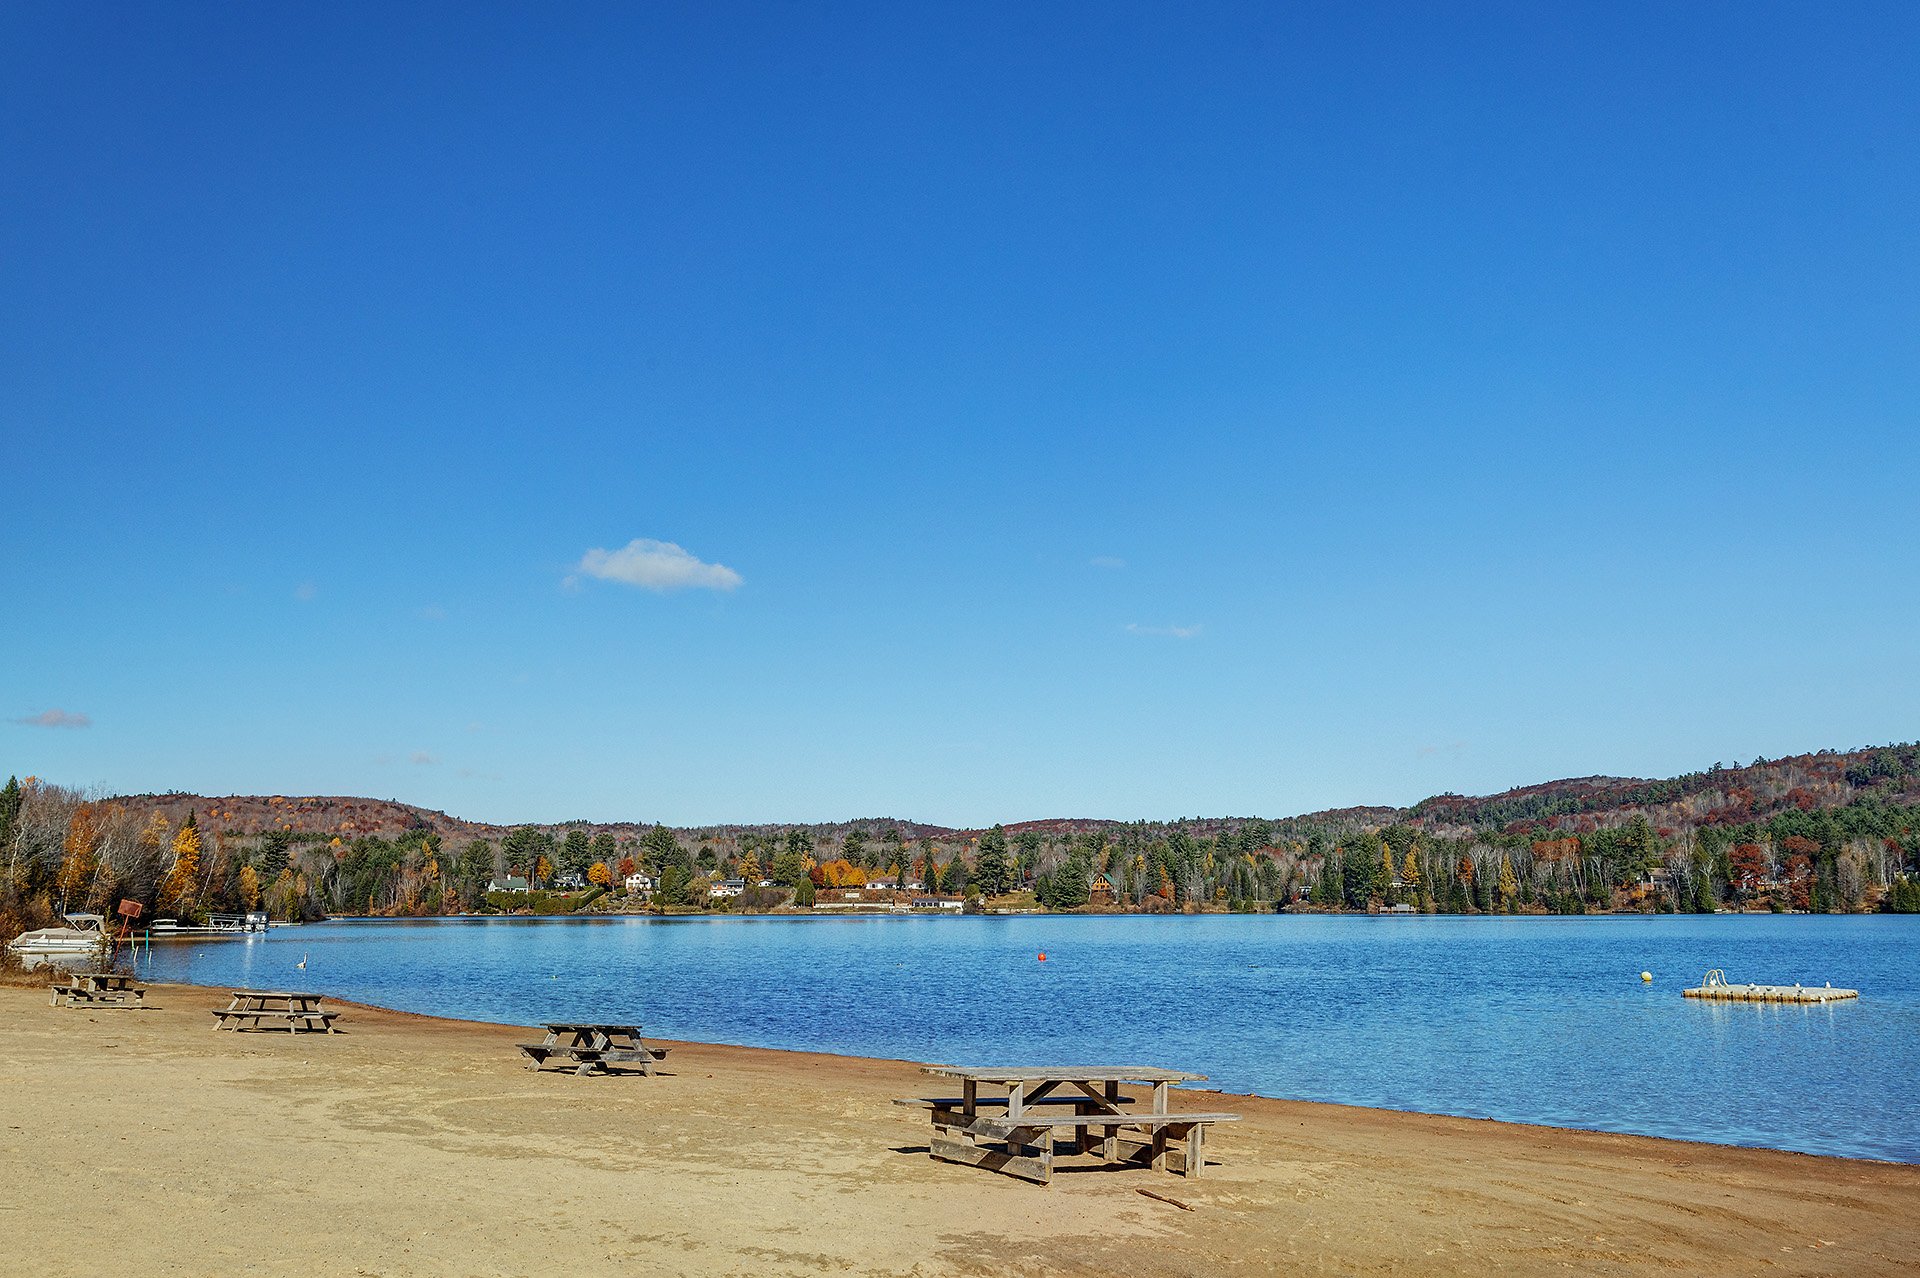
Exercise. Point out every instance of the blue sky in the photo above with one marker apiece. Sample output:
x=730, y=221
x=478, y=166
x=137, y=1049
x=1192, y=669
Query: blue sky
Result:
x=1107, y=410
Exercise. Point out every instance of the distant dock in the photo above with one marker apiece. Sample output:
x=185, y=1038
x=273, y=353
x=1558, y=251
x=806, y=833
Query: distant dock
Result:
x=1716, y=986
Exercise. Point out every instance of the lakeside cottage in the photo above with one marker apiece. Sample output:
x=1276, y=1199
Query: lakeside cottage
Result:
x=727, y=887
x=1103, y=890
x=938, y=903
x=641, y=883
x=512, y=883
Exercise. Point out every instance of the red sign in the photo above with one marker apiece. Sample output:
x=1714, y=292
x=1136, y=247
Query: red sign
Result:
x=131, y=909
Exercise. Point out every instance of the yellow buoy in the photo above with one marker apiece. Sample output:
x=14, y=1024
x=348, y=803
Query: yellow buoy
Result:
x=1646, y=976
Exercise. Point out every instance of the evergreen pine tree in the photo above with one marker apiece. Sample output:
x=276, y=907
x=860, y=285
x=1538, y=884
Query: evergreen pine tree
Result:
x=991, y=873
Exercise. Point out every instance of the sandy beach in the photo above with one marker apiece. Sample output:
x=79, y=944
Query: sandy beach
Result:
x=144, y=1142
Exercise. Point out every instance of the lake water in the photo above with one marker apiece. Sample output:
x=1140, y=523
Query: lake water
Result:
x=1541, y=1020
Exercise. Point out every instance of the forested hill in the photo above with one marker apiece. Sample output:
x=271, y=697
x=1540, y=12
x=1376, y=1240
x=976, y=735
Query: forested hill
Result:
x=1824, y=831
x=1719, y=795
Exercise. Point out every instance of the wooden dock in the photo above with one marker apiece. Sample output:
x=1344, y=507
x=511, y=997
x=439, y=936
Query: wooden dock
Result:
x=1716, y=986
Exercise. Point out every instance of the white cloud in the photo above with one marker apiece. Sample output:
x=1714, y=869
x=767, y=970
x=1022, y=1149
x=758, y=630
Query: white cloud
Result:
x=422, y=757
x=56, y=718
x=655, y=565
x=432, y=612
x=1107, y=561
x=305, y=591
x=1163, y=632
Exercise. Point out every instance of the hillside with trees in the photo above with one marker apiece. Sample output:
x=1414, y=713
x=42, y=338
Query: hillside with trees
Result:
x=1829, y=831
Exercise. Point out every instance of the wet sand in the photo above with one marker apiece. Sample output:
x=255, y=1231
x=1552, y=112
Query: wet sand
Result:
x=144, y=1142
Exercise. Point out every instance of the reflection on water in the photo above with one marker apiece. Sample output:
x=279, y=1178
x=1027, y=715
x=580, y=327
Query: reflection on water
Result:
x=1532, y=1019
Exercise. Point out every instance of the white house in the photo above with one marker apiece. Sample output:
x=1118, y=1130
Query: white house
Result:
x=641, y=883
x=727, y=887
x=512, y=883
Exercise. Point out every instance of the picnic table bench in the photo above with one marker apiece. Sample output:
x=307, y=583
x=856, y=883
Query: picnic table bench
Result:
x=593, y=1049
x=278, y=1009
x=1014, y=1133
x=98, y=989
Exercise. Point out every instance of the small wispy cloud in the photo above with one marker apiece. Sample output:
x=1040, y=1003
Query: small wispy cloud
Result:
x=1107, y=561
x=422, y=758
x=432, y=612
x=55, y=718
x=654, y=565
x=1163, y=632
x=474, y=774
x=476, y=726
x=1452, y=747
x=305, y=591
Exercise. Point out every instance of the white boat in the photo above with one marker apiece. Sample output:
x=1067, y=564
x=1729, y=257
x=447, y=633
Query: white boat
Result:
x=216, y=925
x=83, y=941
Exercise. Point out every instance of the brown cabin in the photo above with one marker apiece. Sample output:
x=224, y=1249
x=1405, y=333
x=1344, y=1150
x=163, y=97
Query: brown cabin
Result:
x=1103, y=890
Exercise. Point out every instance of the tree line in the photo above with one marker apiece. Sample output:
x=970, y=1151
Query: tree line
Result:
x=65, y=851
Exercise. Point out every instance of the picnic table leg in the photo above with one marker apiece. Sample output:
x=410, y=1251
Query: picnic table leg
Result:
x=1196, y=1149
x=1159, y=1149
x=969, y=1097
x=1110, y=1144
x=1016, y=1100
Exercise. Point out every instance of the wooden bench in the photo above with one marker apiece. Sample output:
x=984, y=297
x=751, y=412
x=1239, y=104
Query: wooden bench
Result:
x=258, y=1018
x=1167, y=1142
x=987, y=1102
x=593, y=1060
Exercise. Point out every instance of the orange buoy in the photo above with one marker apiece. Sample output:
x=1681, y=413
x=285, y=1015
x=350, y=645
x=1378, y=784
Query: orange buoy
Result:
x=1043, y=956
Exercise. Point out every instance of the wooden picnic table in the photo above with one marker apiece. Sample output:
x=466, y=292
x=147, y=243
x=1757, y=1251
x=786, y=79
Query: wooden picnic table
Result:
x=1014, y=1133
x=99, y=989
x=256, y=1009
x=593, y=1048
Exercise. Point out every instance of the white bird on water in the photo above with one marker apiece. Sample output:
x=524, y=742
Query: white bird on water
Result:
x=302, y=964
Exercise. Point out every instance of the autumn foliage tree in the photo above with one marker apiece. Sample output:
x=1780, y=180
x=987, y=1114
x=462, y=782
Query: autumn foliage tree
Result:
x=177, y=890
x=80, y=854
x=838, y=873
x=1509, y=885
x=600, y=874
x=1748, y=862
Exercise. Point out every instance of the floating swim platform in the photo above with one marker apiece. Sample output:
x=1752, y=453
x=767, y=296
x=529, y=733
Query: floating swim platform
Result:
x=1716, y=986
